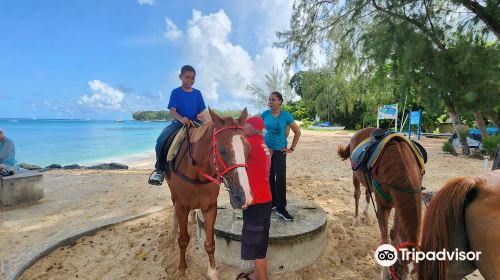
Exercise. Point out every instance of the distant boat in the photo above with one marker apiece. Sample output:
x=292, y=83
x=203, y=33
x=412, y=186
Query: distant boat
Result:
x=13, y=121
x=120, y=120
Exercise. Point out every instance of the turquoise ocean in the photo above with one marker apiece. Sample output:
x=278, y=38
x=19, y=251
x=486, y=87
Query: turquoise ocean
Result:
x=45, y=141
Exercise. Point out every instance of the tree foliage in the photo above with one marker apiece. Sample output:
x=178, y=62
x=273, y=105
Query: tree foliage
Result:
x=152, y=115
x=276, y=80
x=432, y=54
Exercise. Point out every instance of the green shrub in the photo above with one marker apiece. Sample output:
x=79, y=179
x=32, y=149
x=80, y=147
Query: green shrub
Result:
x=490, y=144
x=305, y=123
x=448, y=147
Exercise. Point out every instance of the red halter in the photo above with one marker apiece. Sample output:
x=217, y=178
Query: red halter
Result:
x=218, y=162
x=401, y=245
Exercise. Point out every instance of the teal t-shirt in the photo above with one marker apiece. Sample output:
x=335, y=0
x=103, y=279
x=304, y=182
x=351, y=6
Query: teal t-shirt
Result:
x=275, y=128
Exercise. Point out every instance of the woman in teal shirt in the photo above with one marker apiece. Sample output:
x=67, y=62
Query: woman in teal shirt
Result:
x=276, y=122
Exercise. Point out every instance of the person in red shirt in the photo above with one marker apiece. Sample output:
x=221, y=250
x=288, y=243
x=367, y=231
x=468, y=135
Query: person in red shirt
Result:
x=257, y=217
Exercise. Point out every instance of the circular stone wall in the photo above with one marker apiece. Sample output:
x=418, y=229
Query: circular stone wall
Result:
x=292, y=245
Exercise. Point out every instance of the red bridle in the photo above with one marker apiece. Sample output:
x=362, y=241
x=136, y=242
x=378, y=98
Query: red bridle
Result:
x=218, y=161
x=401, y=245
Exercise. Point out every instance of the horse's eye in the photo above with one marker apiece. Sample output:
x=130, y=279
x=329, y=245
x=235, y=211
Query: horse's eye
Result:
x=222, y=151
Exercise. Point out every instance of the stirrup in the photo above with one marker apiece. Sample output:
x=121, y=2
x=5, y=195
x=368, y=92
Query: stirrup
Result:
x=153, y=182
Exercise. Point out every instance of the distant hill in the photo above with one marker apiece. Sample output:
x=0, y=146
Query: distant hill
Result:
x=161, y=115
x=165, y=115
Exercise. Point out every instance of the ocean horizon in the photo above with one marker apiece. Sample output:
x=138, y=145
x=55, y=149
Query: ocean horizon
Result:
x=79, y=141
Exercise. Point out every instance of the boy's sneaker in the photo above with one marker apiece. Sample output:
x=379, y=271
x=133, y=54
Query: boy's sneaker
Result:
x=273, y=208
x=284, y=215
x=156, y=178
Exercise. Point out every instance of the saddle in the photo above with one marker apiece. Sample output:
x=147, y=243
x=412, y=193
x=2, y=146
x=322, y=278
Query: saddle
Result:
x=174, y=142
x=366, y=154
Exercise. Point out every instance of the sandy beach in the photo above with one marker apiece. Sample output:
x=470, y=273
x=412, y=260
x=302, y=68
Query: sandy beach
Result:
x=145, y=249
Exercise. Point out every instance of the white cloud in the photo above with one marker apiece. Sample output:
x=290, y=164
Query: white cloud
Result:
x=224, y=69
x=146, y=2
x=171, y=30
x=104, y=96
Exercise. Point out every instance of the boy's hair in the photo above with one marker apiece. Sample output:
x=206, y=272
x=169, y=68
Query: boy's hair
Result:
x=187, y=68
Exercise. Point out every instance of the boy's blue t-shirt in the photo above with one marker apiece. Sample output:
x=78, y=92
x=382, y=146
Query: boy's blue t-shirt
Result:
x=187, y=104
x=275, y=128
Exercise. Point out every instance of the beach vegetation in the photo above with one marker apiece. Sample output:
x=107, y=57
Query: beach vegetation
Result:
x=490, y=144
x=161, y=115
x=437, y=56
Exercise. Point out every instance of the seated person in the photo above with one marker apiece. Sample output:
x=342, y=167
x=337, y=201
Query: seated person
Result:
x=186, y=105
x=7, y=155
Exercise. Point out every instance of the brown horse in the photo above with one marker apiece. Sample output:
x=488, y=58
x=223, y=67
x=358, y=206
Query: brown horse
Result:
x=400, y=177
x=220, y=154
x=463, y=215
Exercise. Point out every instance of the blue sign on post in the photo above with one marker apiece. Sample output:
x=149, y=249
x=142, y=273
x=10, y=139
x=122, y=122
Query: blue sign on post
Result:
x=415, y=119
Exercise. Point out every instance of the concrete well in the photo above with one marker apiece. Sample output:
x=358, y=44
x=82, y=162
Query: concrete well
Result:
x=20, y=188
x=292, y=245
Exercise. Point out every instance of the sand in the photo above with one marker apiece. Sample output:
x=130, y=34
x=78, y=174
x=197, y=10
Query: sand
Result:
x=145, y=249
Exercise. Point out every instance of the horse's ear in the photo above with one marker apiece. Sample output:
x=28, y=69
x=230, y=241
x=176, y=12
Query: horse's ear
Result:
x=243, y=116
x=218, y=121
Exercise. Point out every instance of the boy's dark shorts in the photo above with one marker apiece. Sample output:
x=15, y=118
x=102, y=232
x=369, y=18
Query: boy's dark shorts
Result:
x=255, y=232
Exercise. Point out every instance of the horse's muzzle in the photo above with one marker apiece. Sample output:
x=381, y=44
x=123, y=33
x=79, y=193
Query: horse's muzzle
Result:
x=237, y=198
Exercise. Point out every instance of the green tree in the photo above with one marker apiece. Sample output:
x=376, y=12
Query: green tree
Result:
x=412, y=49
x=276, y=80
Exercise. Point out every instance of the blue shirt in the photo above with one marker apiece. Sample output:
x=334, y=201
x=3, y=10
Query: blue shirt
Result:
x=7, y=152
x=187, y=104
x=275, y=128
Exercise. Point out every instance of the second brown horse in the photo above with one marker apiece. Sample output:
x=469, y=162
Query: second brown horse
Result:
x=397, y=169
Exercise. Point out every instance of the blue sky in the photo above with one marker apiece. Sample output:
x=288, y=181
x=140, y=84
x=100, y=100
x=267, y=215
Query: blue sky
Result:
x=105, y=59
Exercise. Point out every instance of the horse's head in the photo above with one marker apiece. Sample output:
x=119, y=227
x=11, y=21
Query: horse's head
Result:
x=231, y=151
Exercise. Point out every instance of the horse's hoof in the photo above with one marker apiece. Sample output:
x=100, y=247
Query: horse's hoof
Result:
x=355, y=222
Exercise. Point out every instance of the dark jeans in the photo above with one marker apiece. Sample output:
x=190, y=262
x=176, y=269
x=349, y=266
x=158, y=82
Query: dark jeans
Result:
x=277, y=179
x=160, y=142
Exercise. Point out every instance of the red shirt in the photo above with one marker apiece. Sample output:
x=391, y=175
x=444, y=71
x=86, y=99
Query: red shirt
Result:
x=258, y=170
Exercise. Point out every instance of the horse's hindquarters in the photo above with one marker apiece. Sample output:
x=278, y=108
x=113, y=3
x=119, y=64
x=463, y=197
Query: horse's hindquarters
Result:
x=482, y=218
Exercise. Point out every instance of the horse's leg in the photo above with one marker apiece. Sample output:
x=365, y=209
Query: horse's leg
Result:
x=175, y=224
x=383, y=219
x=367, y=205
x=183, y=240
x=357, y=193
x=209, y=216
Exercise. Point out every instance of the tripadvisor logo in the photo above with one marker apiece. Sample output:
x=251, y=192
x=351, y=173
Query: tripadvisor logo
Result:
x=387, y=255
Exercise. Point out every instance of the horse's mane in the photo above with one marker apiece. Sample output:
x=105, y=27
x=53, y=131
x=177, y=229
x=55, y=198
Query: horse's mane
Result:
x=397, y=166
x=397, y=156
x=445, y=211
x=198, y=132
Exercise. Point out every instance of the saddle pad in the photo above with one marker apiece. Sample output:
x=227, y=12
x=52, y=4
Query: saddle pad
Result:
x=367, y=152
x=176, y=144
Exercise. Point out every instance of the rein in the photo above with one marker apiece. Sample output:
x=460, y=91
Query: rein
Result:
x=220, y=166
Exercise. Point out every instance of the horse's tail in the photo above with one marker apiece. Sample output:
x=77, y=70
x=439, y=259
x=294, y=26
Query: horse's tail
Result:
x=344, y=151
x=444, y=213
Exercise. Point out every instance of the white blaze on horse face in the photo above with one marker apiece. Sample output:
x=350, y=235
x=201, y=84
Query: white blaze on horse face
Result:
x=239, y=156
x=411, y=267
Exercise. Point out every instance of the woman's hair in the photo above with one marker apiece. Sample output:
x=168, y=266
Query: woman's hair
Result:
x=277, y=94
x=187, y=68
